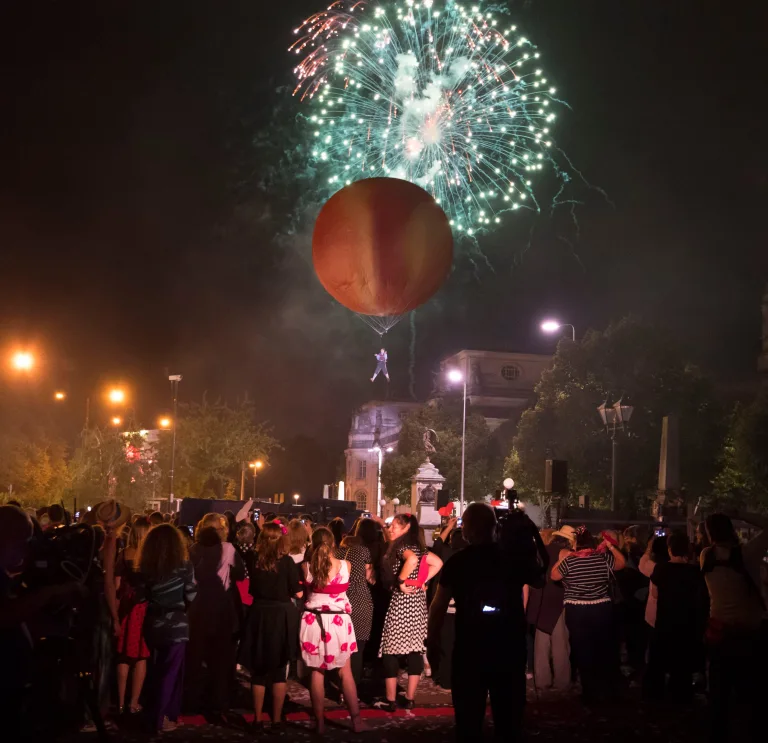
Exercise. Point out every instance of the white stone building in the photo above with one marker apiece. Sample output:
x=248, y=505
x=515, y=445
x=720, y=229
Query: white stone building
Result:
x=499, y=385
x=374, y=423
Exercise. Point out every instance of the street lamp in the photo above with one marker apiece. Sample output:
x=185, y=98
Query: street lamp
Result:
x=296, y=499
x=552, y=326
x=456, y=376
x=59, y=396
x=255, y=466
x=164, y=423
x=116, y=396
x=380, y=452
x=174, y=379
x=23, y=361
x=615, y=417
x=117, y=420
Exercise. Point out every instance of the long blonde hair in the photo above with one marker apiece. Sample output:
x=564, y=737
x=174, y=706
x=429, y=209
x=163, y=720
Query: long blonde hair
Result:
x=137, y=532
x=322, y=551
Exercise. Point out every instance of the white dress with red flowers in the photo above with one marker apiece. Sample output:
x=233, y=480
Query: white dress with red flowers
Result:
x=326, y=634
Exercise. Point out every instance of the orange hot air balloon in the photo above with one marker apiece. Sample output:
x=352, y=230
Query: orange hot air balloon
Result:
x=382, y=247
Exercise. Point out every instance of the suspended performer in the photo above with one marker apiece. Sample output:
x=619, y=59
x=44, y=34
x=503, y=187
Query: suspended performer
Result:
x=381, y=364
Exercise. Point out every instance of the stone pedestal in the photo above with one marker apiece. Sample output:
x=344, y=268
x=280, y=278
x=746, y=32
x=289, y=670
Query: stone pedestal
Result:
x=424, y=487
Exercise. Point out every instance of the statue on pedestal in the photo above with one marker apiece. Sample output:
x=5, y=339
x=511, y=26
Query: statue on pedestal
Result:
x=429, y=447
x=428, y=496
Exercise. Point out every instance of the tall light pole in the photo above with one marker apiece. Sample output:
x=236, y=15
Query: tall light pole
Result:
x=380, y=454
x=615, y=417
x=255, y=466
x=552, y=326
x=456, y=376
x=174, y=379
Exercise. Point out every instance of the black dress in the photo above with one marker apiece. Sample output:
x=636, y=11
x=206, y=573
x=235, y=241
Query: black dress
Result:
x=359, y=591
x=271, y=639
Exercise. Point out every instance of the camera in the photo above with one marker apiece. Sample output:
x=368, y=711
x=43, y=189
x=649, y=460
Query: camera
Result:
x=459, y=523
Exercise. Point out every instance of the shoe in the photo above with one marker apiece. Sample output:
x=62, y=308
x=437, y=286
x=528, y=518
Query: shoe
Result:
x=258, y=728
x=277, y=728
x=408, y=703
x=168, y=725
x=385, y=705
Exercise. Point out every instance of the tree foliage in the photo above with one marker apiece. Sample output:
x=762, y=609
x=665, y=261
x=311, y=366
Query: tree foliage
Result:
x=483, y=460
x=636, y=361
x=213, y=442
x=743, y=478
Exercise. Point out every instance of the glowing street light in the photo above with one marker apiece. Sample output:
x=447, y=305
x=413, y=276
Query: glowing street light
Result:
x=552, y=326
x=456, y=376
x=255, y=466
x=23, y=361
x=164, y=423
x=296, y=499
x=117, y=420
x=60, y=396
x=116, y=396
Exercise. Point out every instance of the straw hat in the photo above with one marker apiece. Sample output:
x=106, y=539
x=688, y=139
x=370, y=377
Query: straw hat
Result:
x=568, y=532
x=111, y=513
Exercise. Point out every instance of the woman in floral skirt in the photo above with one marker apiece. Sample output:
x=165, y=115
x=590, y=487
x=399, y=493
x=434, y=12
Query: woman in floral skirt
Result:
x=326, y=633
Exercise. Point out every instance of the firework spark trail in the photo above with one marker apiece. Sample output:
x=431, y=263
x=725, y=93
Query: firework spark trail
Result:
x=444, y=95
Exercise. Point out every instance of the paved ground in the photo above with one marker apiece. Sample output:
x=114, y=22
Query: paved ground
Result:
x=550, y=718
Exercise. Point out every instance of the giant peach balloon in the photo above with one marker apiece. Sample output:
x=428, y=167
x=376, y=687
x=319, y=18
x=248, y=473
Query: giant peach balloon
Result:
x=382, y=246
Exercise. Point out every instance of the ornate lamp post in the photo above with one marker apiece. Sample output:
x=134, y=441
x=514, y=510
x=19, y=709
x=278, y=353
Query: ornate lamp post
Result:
x=615, y=418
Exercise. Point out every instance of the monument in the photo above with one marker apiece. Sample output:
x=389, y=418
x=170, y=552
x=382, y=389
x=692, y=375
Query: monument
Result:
x=668, y=491
x=424, y=486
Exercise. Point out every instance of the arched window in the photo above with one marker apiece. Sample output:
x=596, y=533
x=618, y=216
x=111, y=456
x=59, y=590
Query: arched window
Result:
x=361, y=499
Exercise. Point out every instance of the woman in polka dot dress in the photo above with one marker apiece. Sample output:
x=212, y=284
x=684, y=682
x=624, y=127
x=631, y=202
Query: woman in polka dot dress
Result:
x=326, y=634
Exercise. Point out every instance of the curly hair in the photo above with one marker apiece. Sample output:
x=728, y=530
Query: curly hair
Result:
x=162, y=551
x=270, y=546
x=322, y=551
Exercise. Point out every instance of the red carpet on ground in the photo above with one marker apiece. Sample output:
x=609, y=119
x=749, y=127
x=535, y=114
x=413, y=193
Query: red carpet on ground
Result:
x=340, y=714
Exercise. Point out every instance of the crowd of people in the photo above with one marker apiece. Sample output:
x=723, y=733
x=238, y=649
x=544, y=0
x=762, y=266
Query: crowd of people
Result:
x=160, y=619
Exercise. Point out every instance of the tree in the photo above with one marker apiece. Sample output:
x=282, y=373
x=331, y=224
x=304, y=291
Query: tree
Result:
x=33, y=465
x=743, y=478
x=110, y=464
x=628, y=359
x=483, y=461
x=213, y=443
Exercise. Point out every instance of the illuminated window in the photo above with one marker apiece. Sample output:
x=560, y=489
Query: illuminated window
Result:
x=361, y=499
x=362, y=469
x=510, y=372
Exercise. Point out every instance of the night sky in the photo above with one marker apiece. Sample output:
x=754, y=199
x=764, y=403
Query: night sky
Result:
x=137, y=237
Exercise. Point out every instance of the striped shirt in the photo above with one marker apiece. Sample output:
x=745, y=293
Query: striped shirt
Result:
x=586, y=578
